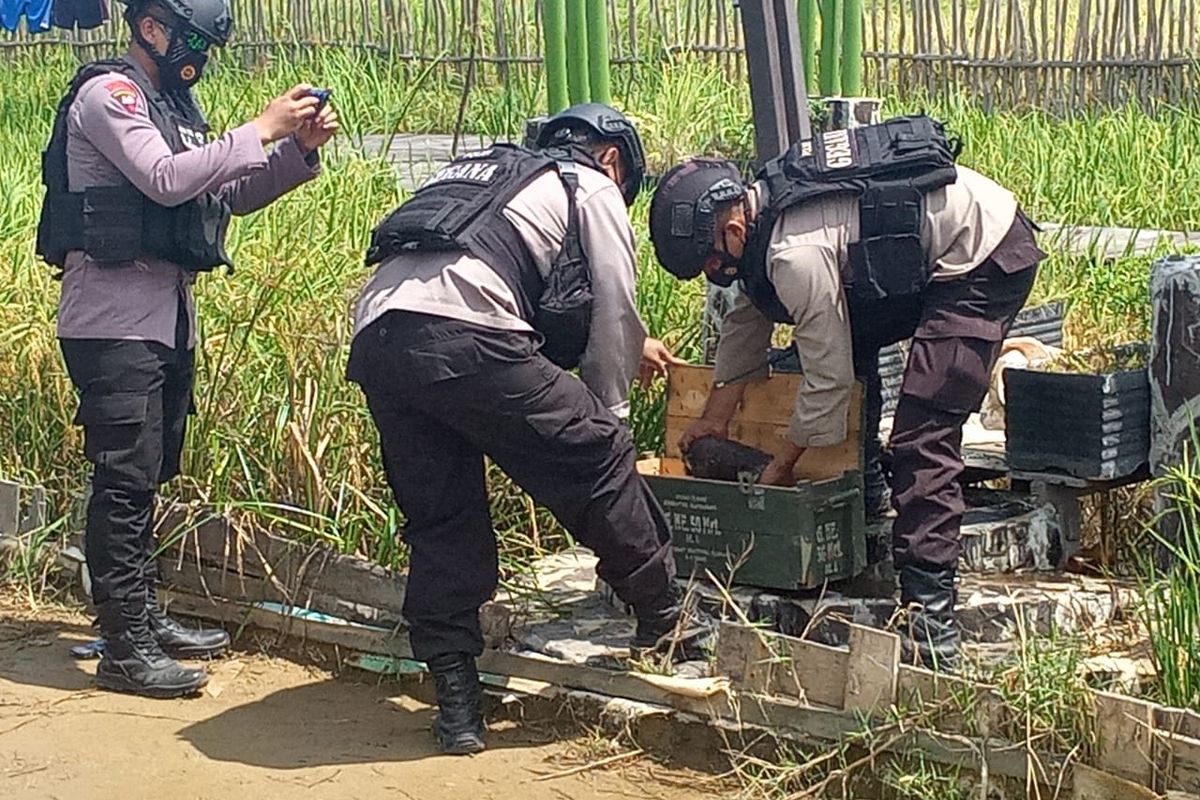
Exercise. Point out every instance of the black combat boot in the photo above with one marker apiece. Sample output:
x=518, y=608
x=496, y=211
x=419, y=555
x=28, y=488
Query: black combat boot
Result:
x=459, y=725
x=133, y=662
x=931, y=638
x=671, y=625
x=178, y=641
x=876, y=492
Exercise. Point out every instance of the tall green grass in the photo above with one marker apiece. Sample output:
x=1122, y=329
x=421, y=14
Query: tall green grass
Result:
x=278, y=426
x=1171, y=609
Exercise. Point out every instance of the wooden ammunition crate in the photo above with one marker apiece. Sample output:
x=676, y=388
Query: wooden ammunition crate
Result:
x=781, y=537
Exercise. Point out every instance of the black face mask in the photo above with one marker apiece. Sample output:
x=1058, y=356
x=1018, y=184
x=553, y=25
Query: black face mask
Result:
x=185, y=59
x=727, y=273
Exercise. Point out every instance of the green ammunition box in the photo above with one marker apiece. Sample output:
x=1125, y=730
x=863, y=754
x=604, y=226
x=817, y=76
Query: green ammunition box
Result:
x=777, y=537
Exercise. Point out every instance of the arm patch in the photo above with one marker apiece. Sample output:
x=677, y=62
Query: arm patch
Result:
x=125, y=93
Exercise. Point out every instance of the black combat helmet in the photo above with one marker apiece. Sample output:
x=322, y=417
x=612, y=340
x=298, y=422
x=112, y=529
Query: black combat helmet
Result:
x=212, y=19
x=609, y=123
x=683, y=213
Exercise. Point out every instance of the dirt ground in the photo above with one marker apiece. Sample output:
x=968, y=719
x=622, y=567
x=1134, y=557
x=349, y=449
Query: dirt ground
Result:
x=265, y=728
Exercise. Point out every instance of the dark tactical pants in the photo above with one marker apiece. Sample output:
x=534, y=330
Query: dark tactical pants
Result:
x=135, y=398
x=957, y=327
x=444, y=394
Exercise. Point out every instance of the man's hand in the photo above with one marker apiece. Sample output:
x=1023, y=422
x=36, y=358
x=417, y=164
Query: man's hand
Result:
x=317, y=131
x=780, y=472
x=284, y=115
x=657, y=358
x=719, y=409
x=705, y=426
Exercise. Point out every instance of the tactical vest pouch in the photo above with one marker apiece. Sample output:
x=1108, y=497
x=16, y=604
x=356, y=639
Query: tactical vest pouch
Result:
x=564, y=311
x=112, y=223
x=200, y=227
x=888, y=260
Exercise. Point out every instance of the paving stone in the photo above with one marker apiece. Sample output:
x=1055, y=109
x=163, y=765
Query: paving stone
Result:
x=590, y=626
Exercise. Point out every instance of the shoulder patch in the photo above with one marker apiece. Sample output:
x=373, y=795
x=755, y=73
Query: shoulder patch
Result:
x=125, y=93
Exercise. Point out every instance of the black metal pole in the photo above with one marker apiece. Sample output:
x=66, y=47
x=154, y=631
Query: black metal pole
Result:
x=777, y=82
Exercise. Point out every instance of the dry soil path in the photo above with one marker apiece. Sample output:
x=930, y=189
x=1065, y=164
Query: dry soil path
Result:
x=267, y=728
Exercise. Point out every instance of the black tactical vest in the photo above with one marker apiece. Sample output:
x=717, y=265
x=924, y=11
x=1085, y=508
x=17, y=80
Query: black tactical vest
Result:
x=119, y=223
x=461, y=209
x=890, y=167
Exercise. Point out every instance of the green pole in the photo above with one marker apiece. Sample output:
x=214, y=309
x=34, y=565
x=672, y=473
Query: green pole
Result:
x=554, y=25
x=597, y=37
x=831, y=42
x=577, y=52
x=806, y=13
x=852, y=60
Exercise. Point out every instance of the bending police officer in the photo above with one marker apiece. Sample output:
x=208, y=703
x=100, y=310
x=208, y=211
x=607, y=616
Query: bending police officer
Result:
x=507, y=268
x=856, y=255
x=137, y=203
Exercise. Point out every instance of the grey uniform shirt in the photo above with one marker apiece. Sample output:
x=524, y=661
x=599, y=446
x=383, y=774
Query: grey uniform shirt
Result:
x=461, y=287
x=110, y=142
x=806, y=259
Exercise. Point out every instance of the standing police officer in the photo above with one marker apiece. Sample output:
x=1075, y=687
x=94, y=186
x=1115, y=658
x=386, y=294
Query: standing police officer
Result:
x=860, y=239
x=507, y=268
x=137, y=203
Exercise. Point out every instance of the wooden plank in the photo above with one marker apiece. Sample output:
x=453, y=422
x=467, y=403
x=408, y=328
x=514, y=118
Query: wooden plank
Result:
x=1123, y=727
x=770, y=663
x=917, y=688
x=770, y=400
x=744, y=657
x=808, y=721
x=354, y=637
x=297, y=567
x=1092, y=784
x=10, y=507
x=808, y=670
x=205, y=580
x=662, y=466
x=1182, y=760
x=762, y=420
x=395, y=644
x=873, y=669
x=1181, y=721
x=811, y=722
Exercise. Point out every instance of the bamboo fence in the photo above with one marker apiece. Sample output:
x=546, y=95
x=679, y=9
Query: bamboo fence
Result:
x=1059, y=55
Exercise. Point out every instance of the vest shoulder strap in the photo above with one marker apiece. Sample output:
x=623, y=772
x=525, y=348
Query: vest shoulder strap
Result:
x=568, y=172
x=471, y=189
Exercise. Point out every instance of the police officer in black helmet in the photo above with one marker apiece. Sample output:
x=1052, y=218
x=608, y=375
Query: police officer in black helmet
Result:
x=508, y=268
x=138, y=200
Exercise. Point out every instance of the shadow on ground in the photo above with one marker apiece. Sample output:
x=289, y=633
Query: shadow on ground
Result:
x=314, y=720
x=332, y=723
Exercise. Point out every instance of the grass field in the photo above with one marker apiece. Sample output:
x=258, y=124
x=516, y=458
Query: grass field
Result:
x=281, y=434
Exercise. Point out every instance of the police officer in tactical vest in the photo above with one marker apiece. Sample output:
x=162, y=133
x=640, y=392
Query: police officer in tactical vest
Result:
x=508, y=268
x=860, y=239
x=138, y=200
